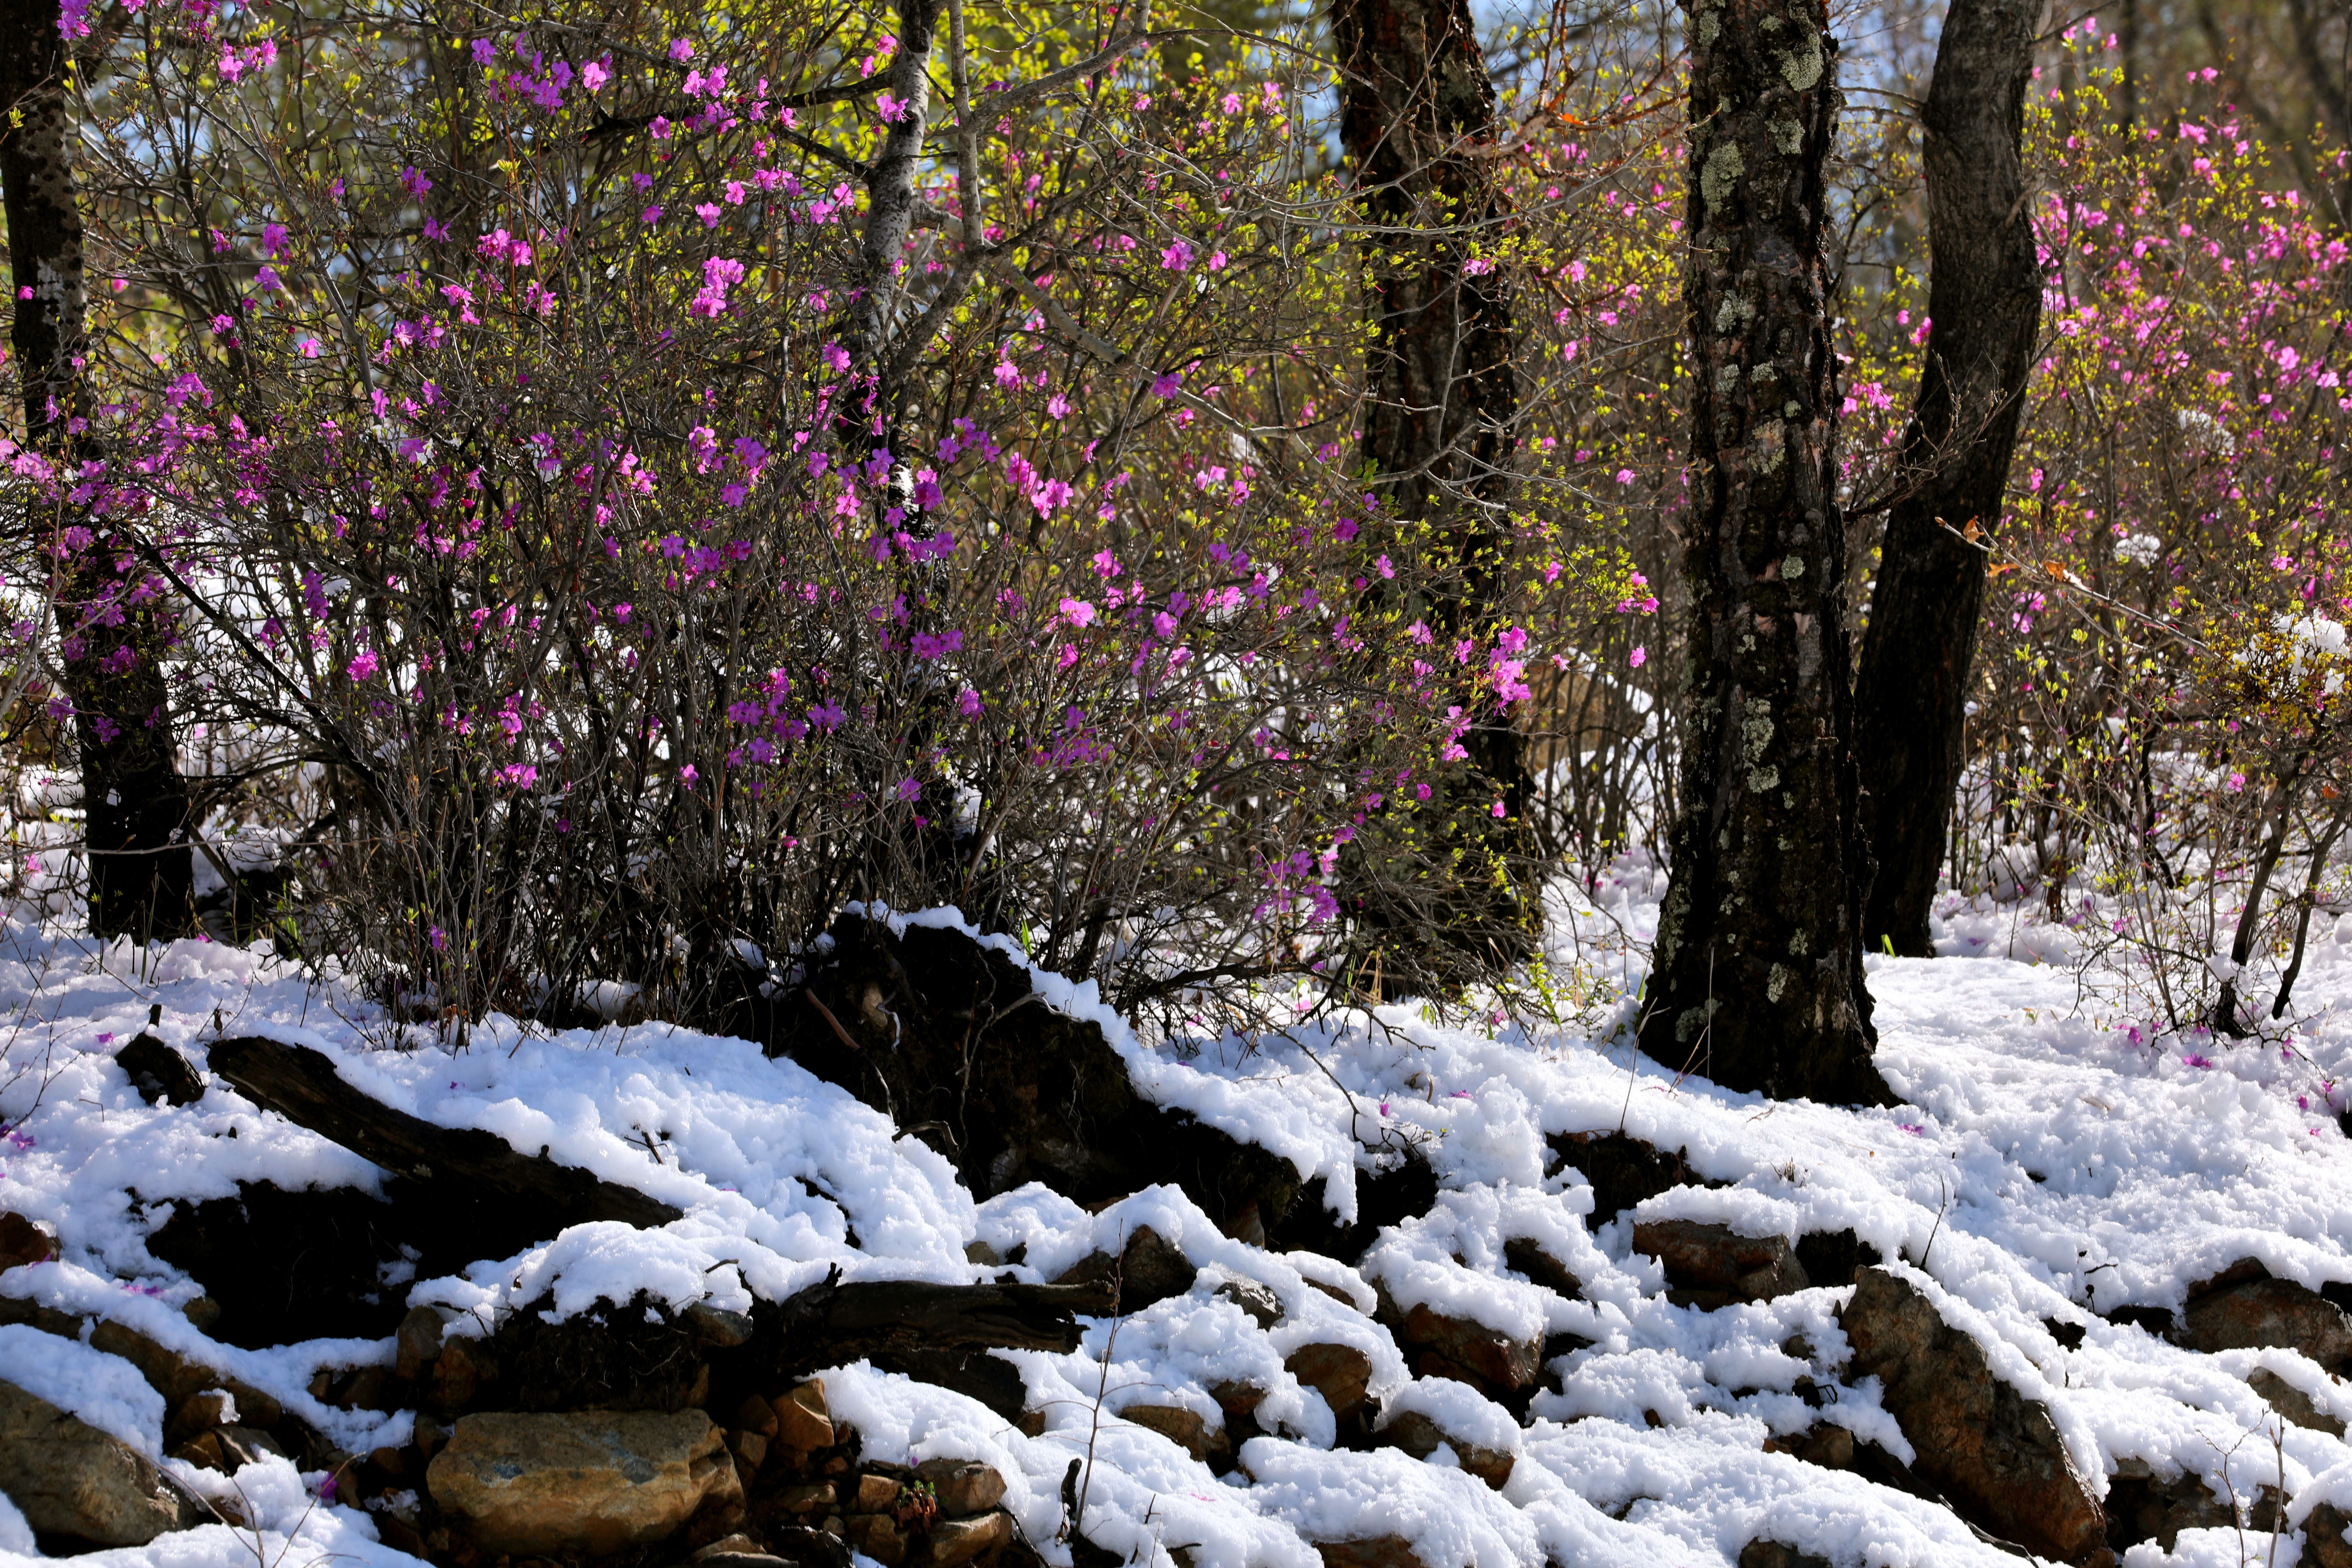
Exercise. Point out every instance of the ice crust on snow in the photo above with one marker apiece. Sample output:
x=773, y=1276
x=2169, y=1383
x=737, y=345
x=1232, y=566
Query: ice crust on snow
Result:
x=2061, y=1169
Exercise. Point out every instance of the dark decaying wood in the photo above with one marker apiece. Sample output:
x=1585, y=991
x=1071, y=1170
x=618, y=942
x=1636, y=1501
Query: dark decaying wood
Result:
x=832, y=1322
x=301, y=1085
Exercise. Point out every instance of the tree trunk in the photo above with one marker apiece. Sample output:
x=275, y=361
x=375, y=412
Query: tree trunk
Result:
x=1984, y=306
x=1757, y=979
x=1417, y=115
x=111, y=615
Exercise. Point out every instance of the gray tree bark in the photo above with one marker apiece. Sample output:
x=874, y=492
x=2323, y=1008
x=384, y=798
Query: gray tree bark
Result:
x=1757, y=978
x=1984, y=308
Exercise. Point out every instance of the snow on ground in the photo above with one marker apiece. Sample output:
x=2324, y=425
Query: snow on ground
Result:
x=2051, y=1163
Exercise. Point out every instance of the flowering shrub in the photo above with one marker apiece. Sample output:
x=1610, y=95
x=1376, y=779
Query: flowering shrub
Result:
x=622, y=622
x=2161, y=725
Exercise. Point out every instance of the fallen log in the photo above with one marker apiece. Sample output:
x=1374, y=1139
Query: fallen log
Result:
x=302, y=1086
x=909, y=1321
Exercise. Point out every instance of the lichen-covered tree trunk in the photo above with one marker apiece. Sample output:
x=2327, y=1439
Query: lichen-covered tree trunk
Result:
x=114, y=622
x=1984, y=307
x=1417, y=117
x=1757, y=977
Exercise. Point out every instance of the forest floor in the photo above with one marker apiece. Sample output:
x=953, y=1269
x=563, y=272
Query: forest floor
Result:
x=2062, y=1177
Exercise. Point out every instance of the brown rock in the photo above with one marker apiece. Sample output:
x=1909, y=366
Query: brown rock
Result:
x=756, y=1415
x=1528, y=1256
x=876, y=1494
x=1340, y=1293
x=955, y=1542
x=1490, y=1356
x=803, y=1420
x=962, y=1485
x=1373, y=1552
x=2291, y=1403
x=878, y=1535
x=1149, y=1268
x=1709, y=1266
x=1996, y=1453
x=2261, y=1313
x=1187, y=1429
x=750, y=1449
x=816, y=1498
x=70, y=1479
x=197, y=1412
x=167, y=1371
x=740, y=1544
x=25, y=1241
x=2324, y=1545
x=228, y=1449
x=1237, y=1398
x=1419, y=1436
x=1341, y=1373
x=595, y=1482
x=719, y=1327
x=416, y=1345
x=459, y=1373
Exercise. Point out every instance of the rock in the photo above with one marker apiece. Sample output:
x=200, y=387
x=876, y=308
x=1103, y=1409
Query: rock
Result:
x=159, y=1072
x=1777, y=1554
x=1527, y=1255
x=1236, y=1398
x=2291, y=1403
x=2324, y=1545
x=199, y=1413
x=1624, y=1170
x=594, y=1482
x=930, y=1027
x=1149, y=1268
x=1341, y=1373
x=811, y=1497
x=756, y=1415
x=23, y=1241
x=1996, y=1453
x=1419, y=1436
x=955, y=1542
x=803, y=1420
x=875, y=1494
x=228, y=1449
x=70, y=1479
x=742, y=1544
x=1260, y=1305
x=1834, y=1258
x=2267, y=1313
x=459, y=1374
x=2142, y=1508
x=717, y=1327
x=984, y=1378
x=1374, y=1552
x=878, y=1535
x=416, y=1344
x=750, y=1450
x=962, y=1485
x=1187, y=1429
x=800, y=1546
x=1454, y=1347
x=1710, y=1266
